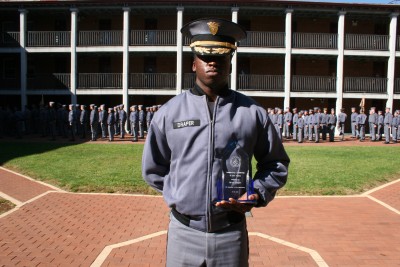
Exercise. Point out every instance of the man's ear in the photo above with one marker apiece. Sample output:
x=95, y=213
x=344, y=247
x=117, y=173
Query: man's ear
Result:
x=193, y=66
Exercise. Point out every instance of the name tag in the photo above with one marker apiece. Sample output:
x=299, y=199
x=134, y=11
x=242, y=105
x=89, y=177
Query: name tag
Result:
x=188, y=123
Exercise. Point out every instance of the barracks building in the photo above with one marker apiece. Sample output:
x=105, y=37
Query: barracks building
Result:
x=297, y=54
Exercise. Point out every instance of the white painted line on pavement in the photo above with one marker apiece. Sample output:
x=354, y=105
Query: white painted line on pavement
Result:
x=383, y=204
x=314, y=254
x=33, y=180
x=380, y=187
x=107, y=250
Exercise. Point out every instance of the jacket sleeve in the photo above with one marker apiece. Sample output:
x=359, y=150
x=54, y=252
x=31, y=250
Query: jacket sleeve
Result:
x=272, y=164
x=156, y=158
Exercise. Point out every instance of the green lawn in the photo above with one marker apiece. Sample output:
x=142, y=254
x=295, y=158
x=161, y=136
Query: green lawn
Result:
x=116, y=168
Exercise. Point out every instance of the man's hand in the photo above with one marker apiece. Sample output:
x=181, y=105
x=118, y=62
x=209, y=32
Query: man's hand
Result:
x=237, y=206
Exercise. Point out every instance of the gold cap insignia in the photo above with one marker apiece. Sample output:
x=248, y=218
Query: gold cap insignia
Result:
x=213, y=26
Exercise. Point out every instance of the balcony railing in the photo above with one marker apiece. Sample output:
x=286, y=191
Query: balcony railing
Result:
x=366, y=42
x=48, y=38
x=153, y=37
x=314, y=40
x=51, y=81
x=248, y=82
x=365, y=85
x=264, y=39
x=313, y=84
x=100, y=81
x=100, y=38
x=397, y=86
x=9, y=39
x=153, y=81
x=10, y=84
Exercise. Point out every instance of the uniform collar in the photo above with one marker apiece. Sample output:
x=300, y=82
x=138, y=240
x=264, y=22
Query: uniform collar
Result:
x=196, y=90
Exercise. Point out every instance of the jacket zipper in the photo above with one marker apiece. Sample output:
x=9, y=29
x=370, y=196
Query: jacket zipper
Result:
x=210, y=163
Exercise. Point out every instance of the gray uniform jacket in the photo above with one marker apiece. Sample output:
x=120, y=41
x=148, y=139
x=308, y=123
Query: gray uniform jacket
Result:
x=388, y=118
x=342, y=117
x=183, y=153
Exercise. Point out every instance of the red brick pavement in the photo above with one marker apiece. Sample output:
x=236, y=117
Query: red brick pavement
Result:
x=67, y=229
x=389, y=195
x=19, y=187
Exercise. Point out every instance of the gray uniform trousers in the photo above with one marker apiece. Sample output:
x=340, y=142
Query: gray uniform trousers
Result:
x=361, y=129
x=372, y=131
x=299, y=135
x=305, y=131
x=93, y=128
x=317, y=131
x=354, y=130
x=387, y=133
x=394, y=133
x=295, y=132
x=190, y=247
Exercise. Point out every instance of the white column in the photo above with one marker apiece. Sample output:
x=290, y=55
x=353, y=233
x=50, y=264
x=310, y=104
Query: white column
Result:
x=179, y=50
x=23, y=56
x=125, y=59
x=74, y=74
x=340, y=59
x=392, y=58
x=288, y=56
x=235, y=11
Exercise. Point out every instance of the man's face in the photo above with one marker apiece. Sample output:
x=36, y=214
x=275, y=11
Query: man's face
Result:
x=212, y=71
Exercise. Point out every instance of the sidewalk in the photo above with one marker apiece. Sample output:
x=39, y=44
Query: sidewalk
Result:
x=50, y=227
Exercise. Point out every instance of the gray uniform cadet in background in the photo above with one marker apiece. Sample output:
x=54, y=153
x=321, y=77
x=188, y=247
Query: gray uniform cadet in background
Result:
x=103, y=121
x=287, y=117
x=331, y=121
x=142, y=120
x=134, y=121
x=381, y=119
x=316, y=121
x=186, y=145
x=295, y=117
x=341, y=123
x=300, y=124
x=72, y=119
x=111, y=124
x=94, y=121
x=373, y=124
x=395, y=126
x=387, y=123
x=353, y=118
x=361, y=121
x=122, y=120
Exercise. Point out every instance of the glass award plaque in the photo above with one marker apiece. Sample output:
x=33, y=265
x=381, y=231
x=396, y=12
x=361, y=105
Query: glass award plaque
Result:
x=235, y=181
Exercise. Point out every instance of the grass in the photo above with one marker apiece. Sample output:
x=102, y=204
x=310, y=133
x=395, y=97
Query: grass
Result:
x=5, y=205
x=116, y=168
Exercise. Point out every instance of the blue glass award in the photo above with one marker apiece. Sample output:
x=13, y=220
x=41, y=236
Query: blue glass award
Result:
x=235, y=181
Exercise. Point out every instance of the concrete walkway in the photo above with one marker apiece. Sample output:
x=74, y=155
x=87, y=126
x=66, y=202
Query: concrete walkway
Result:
x=50, y=227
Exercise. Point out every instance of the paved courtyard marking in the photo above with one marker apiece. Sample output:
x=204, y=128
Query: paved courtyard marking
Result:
x=314, y=254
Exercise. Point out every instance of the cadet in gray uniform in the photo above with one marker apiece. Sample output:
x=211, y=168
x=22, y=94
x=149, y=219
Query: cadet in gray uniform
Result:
x=72, y=119
x=294, y=122
x=381, y=119
x=387, y=124
x=287, y=117
x=181, y=161
x=395, y=126
x=103, y=121
x=52, y=119
x=122, y=121
x=324, y=123
x=111, y=124
x=84, y=122
x=353, y=117
x=306, y=123
x=299, y=127
x=142, y=118
x=331, y=122
x=94, y=121
x=398, y=125
x=134, y=120
x=341, y=123
x=361, y=121
x=316, y=121
x=279, y=123
x=373, y=124
x=310, y=125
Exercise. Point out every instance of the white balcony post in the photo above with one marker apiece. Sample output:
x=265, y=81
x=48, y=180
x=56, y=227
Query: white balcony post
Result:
x=339, y=66
x=125, y=55
x=288, y=56
x=391, y=61
x=74, y=74
x=179, y=50
x=235, y=11
x=23, y=56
